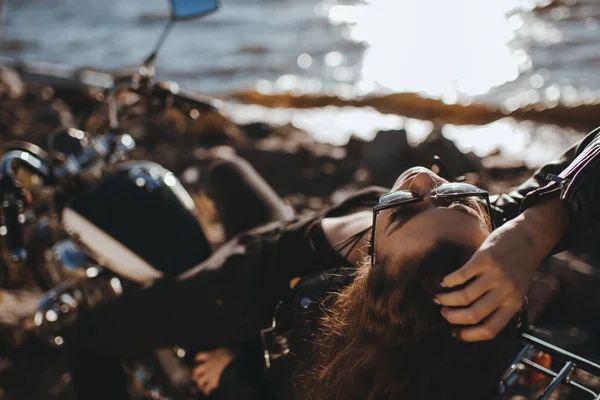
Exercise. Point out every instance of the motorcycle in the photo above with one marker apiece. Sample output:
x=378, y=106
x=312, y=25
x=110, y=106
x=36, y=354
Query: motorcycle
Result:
x=89, y=225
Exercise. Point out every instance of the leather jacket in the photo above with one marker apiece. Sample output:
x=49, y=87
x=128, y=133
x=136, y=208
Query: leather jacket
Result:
x=575, y=176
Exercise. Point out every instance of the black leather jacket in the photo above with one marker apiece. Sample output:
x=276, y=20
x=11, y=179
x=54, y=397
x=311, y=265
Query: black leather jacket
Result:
x=575, y=175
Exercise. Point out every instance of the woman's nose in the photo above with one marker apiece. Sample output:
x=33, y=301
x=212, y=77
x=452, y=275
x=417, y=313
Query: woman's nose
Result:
x=423, y=184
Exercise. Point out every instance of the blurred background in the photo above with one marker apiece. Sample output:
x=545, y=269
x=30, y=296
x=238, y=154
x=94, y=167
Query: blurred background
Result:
x=514, y=56
x=323, y=97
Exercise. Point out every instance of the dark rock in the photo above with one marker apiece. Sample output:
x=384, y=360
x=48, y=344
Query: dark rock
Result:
x=457, y=162
x=355, y=145
x=258, y=130
x=387, y=156
x=579, y=280
x=212, y=129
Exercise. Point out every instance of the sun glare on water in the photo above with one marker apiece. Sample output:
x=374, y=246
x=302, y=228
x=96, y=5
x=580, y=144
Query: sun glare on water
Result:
x=439, y=48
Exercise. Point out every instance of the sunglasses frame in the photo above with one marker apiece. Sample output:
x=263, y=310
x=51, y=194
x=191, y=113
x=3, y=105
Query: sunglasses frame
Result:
x=480, y=193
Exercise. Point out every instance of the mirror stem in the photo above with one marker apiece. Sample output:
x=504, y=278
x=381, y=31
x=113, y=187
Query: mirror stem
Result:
x=150, y=60
x=2, y=17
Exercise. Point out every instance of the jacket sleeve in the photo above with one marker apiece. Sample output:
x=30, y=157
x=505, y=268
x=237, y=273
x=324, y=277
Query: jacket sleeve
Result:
x=575, y=176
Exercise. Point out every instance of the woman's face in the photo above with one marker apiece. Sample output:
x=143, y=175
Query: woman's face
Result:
x=410, y=231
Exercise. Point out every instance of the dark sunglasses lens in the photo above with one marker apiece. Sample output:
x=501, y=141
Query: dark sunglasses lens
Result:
x=457, y=188
x=398, y=197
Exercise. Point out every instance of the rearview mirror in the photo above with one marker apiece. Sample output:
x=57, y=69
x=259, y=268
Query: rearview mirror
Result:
x=189, y=9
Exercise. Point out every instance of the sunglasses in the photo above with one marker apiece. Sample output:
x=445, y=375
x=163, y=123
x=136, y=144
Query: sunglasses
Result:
x=448, y=192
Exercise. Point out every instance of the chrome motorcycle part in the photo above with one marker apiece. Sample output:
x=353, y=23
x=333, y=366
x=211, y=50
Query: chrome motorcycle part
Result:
x=11, y=162
x=59, y=307
x=70, y=261
x=13, y=202
x=31, y=148
x=569, y=364
x=66, y=142
x=105, y=148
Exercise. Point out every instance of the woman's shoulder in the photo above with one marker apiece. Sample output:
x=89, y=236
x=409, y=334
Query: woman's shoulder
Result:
x=290, y=234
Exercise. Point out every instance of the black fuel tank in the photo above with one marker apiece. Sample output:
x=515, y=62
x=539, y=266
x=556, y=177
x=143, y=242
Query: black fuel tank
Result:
x=145, y=208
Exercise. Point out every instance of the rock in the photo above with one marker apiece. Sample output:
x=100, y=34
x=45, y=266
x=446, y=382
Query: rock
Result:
x=258, y=130
x=355, y=145
x=204, y=129
x=34, y=116
x=11, y=85
x=387, y=156
x=457, y=162
x=51, y=115
x=213, y=128
x=579, y=280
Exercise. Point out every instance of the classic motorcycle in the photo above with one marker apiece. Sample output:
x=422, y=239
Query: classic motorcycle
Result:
x=90, y=226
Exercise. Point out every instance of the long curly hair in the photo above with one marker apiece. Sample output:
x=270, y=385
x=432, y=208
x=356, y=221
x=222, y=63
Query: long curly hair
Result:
x=384, y=338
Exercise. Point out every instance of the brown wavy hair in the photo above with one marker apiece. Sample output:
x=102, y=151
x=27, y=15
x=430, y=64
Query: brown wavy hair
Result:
x=384, y=338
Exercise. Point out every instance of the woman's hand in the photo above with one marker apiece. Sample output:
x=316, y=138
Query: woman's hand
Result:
x=211, y=366
x=501, y=271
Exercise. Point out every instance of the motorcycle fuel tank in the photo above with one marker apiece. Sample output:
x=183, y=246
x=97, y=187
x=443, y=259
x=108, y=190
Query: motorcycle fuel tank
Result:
x=140, y=221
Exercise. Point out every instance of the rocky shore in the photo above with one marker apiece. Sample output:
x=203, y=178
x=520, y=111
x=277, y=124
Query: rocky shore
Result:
x=307, y=173
x=301, y=169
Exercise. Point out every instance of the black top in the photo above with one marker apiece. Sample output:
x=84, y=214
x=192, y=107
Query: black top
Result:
x=288, y=342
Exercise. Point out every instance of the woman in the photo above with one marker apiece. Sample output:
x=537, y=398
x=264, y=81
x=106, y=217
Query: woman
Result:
x=229, y=298
x=382, y=336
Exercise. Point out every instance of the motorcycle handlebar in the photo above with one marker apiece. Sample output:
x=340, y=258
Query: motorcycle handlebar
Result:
x=15, y=159
x=13, y=199
x=103, y=147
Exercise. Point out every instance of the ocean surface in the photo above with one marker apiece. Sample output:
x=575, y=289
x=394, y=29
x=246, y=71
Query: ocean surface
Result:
x=506, y=54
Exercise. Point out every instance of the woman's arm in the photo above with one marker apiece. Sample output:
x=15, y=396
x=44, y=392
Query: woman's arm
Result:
x=502, y=268
x=551, y=216
x=508, y=206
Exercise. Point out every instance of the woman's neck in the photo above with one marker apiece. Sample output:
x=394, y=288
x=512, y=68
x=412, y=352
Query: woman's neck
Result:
x=340, y=229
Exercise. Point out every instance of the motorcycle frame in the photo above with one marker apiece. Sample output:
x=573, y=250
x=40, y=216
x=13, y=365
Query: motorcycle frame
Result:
x=572, y=363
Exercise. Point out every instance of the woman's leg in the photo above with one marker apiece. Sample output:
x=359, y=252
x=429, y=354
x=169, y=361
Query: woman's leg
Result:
x=212, y=307
x=183, y=313
x=243, y=198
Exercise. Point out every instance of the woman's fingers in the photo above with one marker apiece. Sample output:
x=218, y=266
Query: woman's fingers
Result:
x=212, y=364
x=477, y=312
x=490, y=328
x=198, y=372
x=474, y=267
x=203, y=356
x=470, y=293
x=202, y=384
x=207, y=384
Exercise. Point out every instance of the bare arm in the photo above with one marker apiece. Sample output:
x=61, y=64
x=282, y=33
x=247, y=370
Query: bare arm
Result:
x=503, y=269
x=559, y=201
